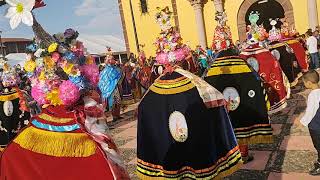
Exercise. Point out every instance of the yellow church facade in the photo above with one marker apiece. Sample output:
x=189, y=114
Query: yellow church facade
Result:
x=195, y=19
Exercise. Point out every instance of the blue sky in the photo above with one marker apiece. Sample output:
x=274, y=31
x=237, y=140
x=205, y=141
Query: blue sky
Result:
x=92, y=17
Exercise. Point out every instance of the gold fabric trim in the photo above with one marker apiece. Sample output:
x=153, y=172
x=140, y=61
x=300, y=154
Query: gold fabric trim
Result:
x=219, y=170
x=175, y=90
x=292, y=41
x=277, y=45
x=172, y=85
x=9, y=97
x=56, y=143
x=260, y=139
x=214, y=71
x=54, y=119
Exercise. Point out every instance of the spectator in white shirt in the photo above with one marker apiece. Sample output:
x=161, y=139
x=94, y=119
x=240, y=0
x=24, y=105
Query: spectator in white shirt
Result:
x=312, y=45
x=311, y=117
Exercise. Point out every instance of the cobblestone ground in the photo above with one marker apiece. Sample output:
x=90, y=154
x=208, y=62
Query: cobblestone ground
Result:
x=290, y=157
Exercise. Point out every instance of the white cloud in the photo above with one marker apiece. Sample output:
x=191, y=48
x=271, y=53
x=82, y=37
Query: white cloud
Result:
x=104, y=17
x=94, y=7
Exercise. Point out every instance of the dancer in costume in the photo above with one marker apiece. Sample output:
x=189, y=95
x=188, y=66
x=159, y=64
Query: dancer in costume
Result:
x=288, y=36
x=114, y=101
x=262, y=61
x=244, y=92
x=71, y=130
x=127, y=88
x=14, y=112
x=284, y=54
x=143, y=71
x=188, y=134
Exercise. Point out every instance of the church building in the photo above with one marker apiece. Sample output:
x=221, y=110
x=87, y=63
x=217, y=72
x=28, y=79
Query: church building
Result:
x=195, y=19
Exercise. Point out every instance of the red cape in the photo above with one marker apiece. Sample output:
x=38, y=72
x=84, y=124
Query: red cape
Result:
x=300, y=53
x=40, y=153
x=271, y=72
x=18, y=163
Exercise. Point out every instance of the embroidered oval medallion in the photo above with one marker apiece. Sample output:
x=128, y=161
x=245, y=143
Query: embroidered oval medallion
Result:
x=178, y=126
x=251, y=93
x=160, y=70
x=275, y=53
x=8, y=108
x=253, y=63
x=231, y=95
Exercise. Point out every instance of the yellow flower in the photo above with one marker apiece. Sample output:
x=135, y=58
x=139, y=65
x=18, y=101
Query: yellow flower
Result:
x=30, y=65
x=256, y=36
x=49, y=62
x=42, y=76
x=53, y=97
x=75, y=72
x=68, y=68
x=52, y=47
x=89, y=60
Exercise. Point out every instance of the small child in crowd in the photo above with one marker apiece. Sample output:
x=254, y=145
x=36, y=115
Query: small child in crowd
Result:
x=311, y=117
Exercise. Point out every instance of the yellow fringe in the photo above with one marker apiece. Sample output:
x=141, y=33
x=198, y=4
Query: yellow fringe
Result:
x=214, y=71
x=172, y=90
x=54, y=119
x=261, y=139
x=9, y=97
x=56, y=143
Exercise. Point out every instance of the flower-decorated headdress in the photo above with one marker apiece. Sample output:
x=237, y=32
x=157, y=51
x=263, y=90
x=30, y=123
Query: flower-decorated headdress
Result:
x=109, y=59
x=170, y=48
x=61, y=72
x=163, y=18
x=286, y=30
x=255, y=33
x=274, y=33
x=9, y=77
x=222, y=39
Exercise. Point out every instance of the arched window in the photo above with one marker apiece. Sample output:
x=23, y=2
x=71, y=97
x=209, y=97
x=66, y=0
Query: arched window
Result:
x=144, y=6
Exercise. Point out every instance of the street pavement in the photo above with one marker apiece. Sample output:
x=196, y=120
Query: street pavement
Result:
x=290, y=157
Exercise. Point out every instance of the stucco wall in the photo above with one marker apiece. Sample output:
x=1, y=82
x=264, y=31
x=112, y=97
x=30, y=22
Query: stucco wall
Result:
x=148, y=29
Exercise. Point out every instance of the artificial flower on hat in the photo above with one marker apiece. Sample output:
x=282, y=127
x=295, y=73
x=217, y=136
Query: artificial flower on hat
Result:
x=49, y=62
x=53, y=97
x=39, y=52
x=67, y=68
x=53, y=47
x=39, y=4
x=20, y=10
x=30, y=65
x=89, y=60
